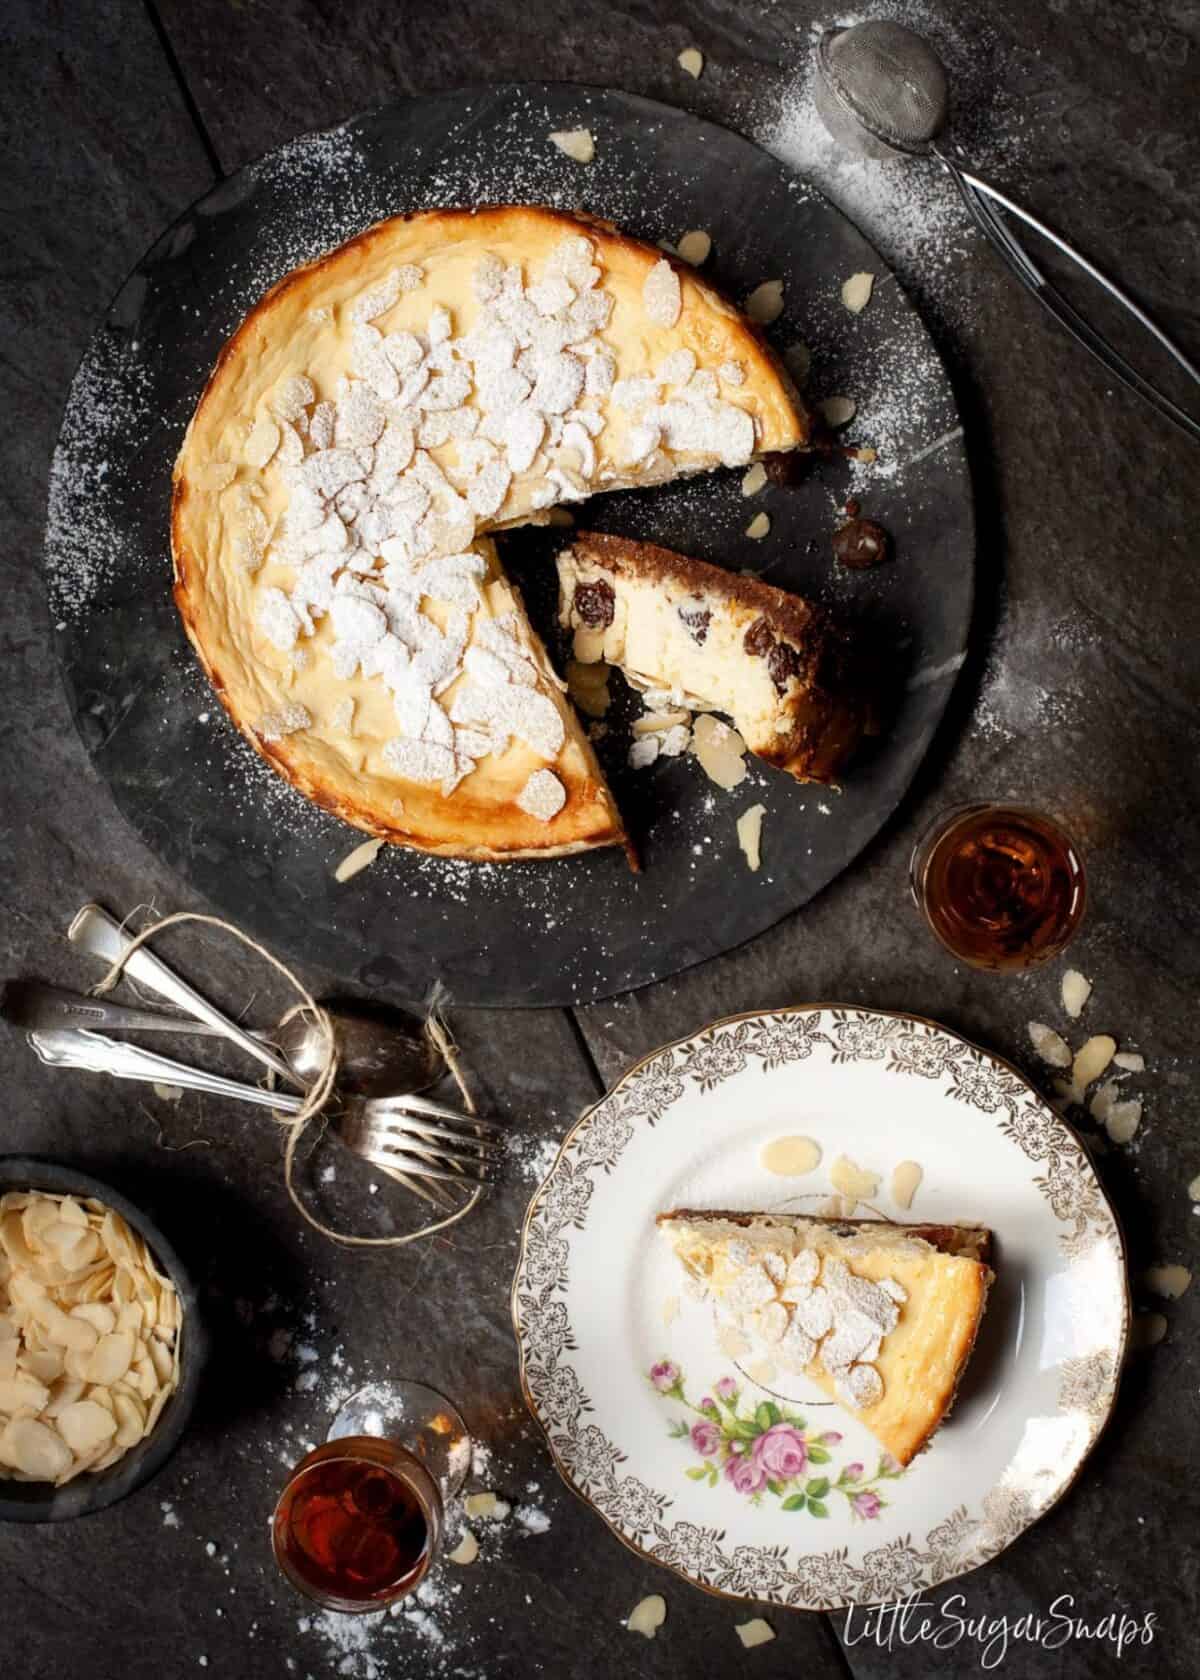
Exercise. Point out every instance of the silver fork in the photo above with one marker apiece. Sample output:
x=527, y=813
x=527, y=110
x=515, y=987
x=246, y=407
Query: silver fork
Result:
x=393, y=1133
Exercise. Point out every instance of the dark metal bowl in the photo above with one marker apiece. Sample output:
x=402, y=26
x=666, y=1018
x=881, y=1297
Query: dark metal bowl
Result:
x=41, y=1502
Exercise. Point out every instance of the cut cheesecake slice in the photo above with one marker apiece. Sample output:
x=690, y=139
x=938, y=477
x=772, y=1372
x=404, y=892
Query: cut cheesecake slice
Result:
x=717, y=641
x=443, y=375
x=881, y=1317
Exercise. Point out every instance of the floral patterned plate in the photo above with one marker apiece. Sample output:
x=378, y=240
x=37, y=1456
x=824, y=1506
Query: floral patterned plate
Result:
x=780, y=1494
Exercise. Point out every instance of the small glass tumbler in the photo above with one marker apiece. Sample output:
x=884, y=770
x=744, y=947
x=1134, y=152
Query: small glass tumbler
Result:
x=1001, y=886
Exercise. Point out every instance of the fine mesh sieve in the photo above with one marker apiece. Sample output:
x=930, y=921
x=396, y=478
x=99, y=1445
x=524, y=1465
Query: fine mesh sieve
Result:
x=882, y=91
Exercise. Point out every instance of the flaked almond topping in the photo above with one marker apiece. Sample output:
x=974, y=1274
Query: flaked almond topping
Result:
x=647, y=1616
x=906, y=1180
x=1091, y=1059
x=1076, y=990
x=357, y=860
x=791, y=1157
x=755, y=1632
x=754, y=480
x=694, y=247
x=691, y=60
x=838, y=411
x=749, y=833
x=720, y=751
x=262, y=442
x=1053, y=1049
x=765, y=303
x=543, y=796
x=661, y=296
x=855, y=1183
x=856, y=292
x=1168, y=1281
x=575, y=143
x=467, y=1549
x=759, y=526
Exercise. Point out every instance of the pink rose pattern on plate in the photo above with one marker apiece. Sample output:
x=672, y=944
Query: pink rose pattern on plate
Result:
x=763, y=1449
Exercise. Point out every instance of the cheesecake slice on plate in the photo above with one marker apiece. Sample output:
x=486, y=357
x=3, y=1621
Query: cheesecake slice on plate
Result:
x=881, y=1317
x=717, y=641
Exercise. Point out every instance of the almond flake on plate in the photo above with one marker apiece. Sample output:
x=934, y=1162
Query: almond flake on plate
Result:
x=854, y=1182
x=759, y=526
x=756, y=1632
x=1050, y=1046
x=695, y=246
x=838, y=411
x=749, y=833
x=720, y=751
x=754, y=480
x=906, y=1180
x=691, y=59
x=357, y=860
x=575, y=143
x=1076, y=990
x=647, y=1616
x=765, y=303
x=856, y=292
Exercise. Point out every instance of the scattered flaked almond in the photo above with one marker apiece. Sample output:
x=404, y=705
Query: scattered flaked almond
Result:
x=1168, y=1281
x=765, y=303
x=797, y=358
x=588, y=686
x=575, y=143
x=754, y=480
x=486, y=1505
x=357, y=860
x=755, y=1632
x=1124, y=1118
x=759, y=526
x=167, y=1093
x=467, y=1549
x=1076, y=990
x=838, y=411
x=648, y=1614
x=719, y=750
x=856, y=292
x=670, y=1309
x=791, y=1157
x=1193, y=1189
x=1050, y=1046
x=656, y=723
x=1146, y=1331
x=749, y=833
x=1104, y=1100
x=854, y=1182
x=1129, y=1061
x=906, y=1180
x=694, y=247
x=1091, y=1059
x=691, y=59
x=837, y=1207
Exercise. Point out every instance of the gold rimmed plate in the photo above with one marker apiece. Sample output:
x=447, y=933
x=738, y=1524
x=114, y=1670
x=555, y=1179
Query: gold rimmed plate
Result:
x=620, y=1363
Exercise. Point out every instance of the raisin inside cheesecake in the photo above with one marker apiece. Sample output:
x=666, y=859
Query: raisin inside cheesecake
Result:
x=881, y=1317
x=774, y=663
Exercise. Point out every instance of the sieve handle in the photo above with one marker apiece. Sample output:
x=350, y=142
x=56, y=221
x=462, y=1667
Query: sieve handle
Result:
x=979, y=197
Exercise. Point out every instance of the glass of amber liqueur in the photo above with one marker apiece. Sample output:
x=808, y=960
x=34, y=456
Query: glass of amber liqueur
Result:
x=1001, y=886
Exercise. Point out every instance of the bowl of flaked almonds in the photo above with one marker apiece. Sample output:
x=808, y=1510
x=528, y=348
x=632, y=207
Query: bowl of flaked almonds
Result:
x=100, y=1344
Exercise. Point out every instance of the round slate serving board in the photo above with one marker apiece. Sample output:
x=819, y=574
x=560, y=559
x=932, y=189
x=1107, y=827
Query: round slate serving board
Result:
x=570, y=930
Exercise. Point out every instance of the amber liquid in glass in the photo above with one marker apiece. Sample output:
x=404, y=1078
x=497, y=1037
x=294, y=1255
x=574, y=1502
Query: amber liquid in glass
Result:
x=1001, y=886
x=351, y=1529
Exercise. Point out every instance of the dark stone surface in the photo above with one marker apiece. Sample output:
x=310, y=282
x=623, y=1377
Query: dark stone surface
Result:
x=1082, y=695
